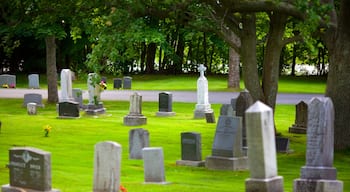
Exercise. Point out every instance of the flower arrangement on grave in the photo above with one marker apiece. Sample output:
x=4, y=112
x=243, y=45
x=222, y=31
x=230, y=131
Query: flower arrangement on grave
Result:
x=122, y=188
x=47, y=129
x=5, y=86
x=103, y=86
x=99, y=86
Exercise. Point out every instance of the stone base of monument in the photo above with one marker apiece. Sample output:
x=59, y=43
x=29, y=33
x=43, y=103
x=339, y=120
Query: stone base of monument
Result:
x=274, y=184
x=226, y=163
x=297, y=129
x=92, y=109
x=134, y=120
x=190, y=163
x=8, y=188
x=200, y=113
x=308, y=185
x=165, y=114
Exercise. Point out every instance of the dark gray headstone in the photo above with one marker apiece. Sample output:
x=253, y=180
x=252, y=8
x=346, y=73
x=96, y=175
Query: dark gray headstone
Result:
x=233, y=103
x=68, y=109
x=282, y=145
x=33, y=81
x=33, y=98
x=127, y=82
x=210, y=117
x=300, y=125
x=117, y=83
x=228, y=137
x=243, y=102
x=9, y=80
x=30, y=168
x=191, y=146
x=165, y=102
x=138, y=139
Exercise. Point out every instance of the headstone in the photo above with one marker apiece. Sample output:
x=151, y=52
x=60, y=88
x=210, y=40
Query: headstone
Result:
x=33, y=80
x=78, y=96
x=33, y=98
x=107, y=166
x=227, y=110
x=66, y=86
x=138, y=139
x=31, y=108
x=227, y=147
x=203, y=106
x=300, y=124
x=127, y=82
x=243, y=102
x=95, y=106
x=68, y=109
x=319, y=175
x=9, y=80
x=117, y=83
x=282, y=145
x=165, y=104
x=191, y=150
x=262, y=150
x=233, y=103
x=135, y=116
x=210, y=117
x=153, y=160
x=30, y=170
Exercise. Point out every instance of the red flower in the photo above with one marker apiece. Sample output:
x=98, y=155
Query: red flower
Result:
x=122, y=188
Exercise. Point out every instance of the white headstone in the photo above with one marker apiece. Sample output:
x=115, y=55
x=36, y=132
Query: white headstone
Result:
x=153, y=159
x=33, y=80
x=107, y=165
x=66, y=86
x=31, y=108
x=203, y=106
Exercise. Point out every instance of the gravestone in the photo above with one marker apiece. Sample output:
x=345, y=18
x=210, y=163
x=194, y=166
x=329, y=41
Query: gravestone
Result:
x=31, y=108
x=33, y=98
x=135, y=116
x=282, y=145
x=262, y=150
x=127, y=82
x=78, y=96
x=243, y=102
x=300, y=124
x=227, y=147
x=9, y=80
x=153, y=164
x=319, y=175
x=165, y=104
x=138, y=139
x=233, y=103
x=210, y=117
x=107, y=166
x=117, y=83
x=95, y=105
x=203, y=106
x=227, y=110
x=30, y=170
x=66, y=86
x=191, y=150
x=33, y=81
x=68, y=109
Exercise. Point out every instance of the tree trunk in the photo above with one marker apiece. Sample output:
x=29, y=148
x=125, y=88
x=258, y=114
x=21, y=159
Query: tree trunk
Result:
x=233, y=70
x=143, y=56
x=249, y=60
x=338, y=82
x=51, y=70
x=180, y=53
x=151, y=55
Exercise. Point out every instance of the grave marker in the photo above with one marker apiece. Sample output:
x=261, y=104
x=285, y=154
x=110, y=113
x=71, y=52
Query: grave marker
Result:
x=68, y=109
x=127, y=82
x=117, y=83
x=191, y=150
x=135, y=116
x=165, y=104
x=33, y=98
x=300, y=124
x=153, y=160
x=31, y=108
x=243, y=102
x=33, y=81
x=203, y=106
x=9, y=80
x=138, y=139
x=66, y=85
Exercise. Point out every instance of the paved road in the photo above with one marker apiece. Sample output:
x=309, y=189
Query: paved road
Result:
x=178, y=96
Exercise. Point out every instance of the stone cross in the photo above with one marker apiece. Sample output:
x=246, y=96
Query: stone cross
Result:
x=201, y=70
x=203, y=106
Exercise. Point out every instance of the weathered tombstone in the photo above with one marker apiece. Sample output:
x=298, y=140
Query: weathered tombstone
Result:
x=33, y=98
x=165, y=104
x=300, y=124
x=138, y=139
x=153, y=160
x=227, y=147
x=31, y=108
x=319, y=175
x=135, y=116
x=78, y=96
x=117, y=83
x=127, y=82
x=9, y=80
x=30, y=170
x=243, y=102
x=233, y=103
x=191, y=150
x=68, y=109
x=66, y=86
x=210, y=117
x=33, y=81
x=262, y=150
x=95, y=106
x=107, y=166
x=282, y=145
x=203, y=106
x=227, y=110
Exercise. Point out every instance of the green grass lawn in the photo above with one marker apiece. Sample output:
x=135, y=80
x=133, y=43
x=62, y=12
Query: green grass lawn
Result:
x=71, y=143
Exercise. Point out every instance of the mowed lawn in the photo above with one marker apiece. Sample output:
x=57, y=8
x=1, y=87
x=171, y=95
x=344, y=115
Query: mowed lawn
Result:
x=71, y=143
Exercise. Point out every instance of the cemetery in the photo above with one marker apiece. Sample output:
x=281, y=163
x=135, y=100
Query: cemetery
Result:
x=141, y=150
